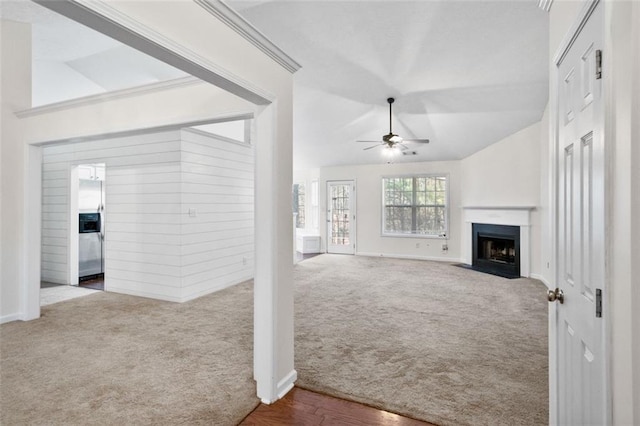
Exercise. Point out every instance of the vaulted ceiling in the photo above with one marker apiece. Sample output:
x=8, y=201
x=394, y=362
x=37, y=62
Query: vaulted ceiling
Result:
x=465, y=74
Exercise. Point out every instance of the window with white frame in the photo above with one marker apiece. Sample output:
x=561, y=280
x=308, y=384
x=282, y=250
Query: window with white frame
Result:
x=415, y=205
x=314, y=204
x=299, y=204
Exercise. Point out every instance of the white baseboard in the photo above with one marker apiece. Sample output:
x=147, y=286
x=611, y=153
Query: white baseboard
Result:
x=9, y=318
x=216, y=288
x=410, y=256
x=284, y=386
x=541, y=278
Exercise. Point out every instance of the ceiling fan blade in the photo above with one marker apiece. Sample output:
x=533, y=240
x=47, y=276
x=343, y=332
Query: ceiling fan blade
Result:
x=416, y=140
x=371, y=147
x=370, y=141
x=401, y=146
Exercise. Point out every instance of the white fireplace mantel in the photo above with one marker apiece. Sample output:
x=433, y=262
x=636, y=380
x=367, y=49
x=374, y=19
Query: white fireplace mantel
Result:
x=500, y=215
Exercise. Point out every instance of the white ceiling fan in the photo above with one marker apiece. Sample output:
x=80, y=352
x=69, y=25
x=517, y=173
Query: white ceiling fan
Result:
x=391, y=140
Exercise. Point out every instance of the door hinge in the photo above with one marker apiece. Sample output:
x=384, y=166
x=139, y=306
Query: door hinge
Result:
x=598, y=303
x=598, y=64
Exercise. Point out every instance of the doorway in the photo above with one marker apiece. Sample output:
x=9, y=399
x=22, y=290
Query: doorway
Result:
x=341, y=217
x=90, y=210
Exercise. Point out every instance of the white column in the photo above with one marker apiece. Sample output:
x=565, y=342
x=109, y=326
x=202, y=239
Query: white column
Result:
x=273, y=288
x=16, y=301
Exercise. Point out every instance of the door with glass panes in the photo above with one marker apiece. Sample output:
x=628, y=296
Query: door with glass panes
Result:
x=341, y=217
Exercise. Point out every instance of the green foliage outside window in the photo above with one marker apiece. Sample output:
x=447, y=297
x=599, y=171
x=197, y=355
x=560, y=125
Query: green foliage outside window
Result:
x=415, y=205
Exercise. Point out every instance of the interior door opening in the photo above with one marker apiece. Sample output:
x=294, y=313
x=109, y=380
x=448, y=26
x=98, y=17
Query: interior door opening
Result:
x=91, y=221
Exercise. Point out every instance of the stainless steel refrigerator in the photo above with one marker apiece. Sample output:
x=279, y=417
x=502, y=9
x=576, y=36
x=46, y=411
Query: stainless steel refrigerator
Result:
x=91, y=229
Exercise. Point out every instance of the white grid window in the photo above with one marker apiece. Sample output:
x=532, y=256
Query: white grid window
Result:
x=415, y=205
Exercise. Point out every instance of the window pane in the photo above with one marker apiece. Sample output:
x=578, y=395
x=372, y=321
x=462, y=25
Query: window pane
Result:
x=419, y=211
x=431, y=184
x=398, y=219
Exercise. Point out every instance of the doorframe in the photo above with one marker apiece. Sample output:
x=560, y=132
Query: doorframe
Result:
x=353, y=200
x=554, y=82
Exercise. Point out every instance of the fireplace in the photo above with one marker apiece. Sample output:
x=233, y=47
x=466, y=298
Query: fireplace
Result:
x=496, y=249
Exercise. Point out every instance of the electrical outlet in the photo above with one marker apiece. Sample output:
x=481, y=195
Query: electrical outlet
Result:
x=193, y=213
x=417, y=245
x=445, y=247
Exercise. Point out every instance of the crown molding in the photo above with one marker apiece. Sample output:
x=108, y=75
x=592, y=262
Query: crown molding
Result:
x=102, y=17
x=241, y=26
x=545, y=5
x=104, y=97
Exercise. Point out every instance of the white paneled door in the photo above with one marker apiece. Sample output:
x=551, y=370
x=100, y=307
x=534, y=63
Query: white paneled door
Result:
x=580, y=372
x=341, y=216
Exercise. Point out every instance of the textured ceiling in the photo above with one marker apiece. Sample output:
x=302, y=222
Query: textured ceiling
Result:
x=464, y=74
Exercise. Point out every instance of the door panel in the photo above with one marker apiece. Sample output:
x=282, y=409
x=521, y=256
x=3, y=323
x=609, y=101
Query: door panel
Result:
x=341, y=217
x=581, y=362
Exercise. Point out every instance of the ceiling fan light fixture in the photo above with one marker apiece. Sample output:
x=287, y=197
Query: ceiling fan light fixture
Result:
x=390, y=151
x=395, y=139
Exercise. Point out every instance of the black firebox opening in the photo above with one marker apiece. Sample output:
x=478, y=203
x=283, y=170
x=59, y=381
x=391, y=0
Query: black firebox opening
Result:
x=496, y=249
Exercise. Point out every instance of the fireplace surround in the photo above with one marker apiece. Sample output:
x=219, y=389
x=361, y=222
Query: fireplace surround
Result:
x=517, y=216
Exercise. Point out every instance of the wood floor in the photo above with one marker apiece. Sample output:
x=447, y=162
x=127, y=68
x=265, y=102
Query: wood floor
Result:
x=302, y=407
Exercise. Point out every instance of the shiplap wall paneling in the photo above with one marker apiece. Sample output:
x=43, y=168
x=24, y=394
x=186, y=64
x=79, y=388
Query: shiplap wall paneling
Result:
x=142, y=199
x=218, y=227
x=55, y=225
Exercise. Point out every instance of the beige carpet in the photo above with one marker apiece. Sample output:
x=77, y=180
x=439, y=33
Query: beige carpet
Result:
x=429, y=340
x=424, y=339
x=107, y=359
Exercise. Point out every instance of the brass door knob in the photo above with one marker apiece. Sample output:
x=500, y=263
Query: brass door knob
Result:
x=557, y=294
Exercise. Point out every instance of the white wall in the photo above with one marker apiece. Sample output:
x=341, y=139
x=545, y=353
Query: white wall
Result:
x=153, y=246
x=544, y=208
x=369, y=239
x=142, y=213
x=620, y=52
x=218, y=242
x=507, y=173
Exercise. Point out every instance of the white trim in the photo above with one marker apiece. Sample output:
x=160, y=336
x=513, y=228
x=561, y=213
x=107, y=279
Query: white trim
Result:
x=240, y=25
x=410, y=257
x=545, y=5
x=240, y=115
x=102, y=17
x=215, y=136
x=10, y=318
x=284, y=386
x=511, y=216
x=109, y=96
x=541, y=278
x=31, y=257
x=447, y=208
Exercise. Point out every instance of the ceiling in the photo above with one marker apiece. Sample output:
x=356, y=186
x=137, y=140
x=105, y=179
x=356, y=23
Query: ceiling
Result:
x=465, y=74
x=70, y=60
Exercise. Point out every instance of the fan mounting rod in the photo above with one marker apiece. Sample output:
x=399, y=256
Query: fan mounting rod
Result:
x=390, y=100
